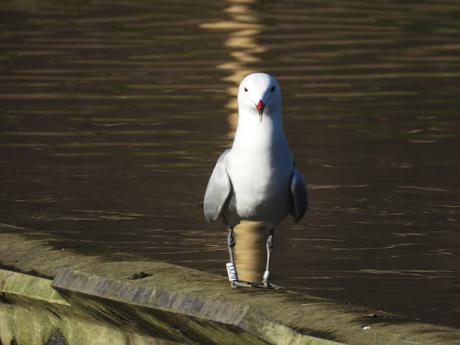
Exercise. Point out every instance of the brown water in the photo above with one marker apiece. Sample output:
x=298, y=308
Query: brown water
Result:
x=113, y=113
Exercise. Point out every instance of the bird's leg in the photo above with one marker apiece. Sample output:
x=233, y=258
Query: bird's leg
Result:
x=231, y=266
x=268, y=247
x=265, y=279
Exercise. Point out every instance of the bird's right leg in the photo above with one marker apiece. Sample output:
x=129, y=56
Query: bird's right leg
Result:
x=231, y=266
x=269, y=247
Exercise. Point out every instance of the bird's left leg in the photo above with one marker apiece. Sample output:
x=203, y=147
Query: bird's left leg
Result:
x=265, y=280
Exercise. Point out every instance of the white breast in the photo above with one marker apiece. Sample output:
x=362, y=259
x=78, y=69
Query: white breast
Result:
x=259, y=165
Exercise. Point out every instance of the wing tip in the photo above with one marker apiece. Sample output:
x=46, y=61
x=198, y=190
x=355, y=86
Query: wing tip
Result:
x=209, y=216
x=299, y=193
x=300, y=216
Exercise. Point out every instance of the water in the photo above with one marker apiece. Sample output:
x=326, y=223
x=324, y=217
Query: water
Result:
x=113, y=113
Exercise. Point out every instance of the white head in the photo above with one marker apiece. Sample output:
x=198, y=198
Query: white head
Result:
x=259, y=94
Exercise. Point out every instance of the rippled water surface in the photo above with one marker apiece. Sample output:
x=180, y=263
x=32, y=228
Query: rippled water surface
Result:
x=112, y=114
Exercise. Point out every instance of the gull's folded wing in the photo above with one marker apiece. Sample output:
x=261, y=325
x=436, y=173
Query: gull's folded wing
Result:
x=299, y=195
x=217, y=191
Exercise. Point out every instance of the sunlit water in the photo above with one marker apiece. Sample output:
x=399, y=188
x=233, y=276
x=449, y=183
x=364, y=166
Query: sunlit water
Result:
x=113, y=113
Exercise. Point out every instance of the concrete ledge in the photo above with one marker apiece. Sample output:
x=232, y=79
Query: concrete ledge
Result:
x=212, y=320
x=173, y=304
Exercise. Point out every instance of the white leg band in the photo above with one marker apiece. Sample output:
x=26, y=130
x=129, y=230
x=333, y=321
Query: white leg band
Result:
x=231, y=272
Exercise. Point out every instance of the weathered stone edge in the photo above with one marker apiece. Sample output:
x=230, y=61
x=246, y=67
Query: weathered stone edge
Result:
x=251, y=321
x=46, y=291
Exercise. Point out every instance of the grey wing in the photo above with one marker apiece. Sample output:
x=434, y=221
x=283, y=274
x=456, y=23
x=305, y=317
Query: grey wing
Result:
x=299, y=195
x=218, y=190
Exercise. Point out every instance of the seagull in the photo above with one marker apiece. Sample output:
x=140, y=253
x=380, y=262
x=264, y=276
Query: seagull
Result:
x=256, y=179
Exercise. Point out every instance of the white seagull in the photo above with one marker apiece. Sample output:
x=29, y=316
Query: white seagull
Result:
x=256, y=179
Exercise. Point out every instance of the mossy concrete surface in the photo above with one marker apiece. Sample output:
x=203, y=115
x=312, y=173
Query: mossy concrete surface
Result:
x=77, y=294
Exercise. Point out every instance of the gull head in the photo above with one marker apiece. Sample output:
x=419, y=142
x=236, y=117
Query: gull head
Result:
x=259, y=94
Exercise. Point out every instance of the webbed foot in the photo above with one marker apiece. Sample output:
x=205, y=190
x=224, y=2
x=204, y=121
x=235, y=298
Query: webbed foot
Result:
x=241, y=283
x=268, y=285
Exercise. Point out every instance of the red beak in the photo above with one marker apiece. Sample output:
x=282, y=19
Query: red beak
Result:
x=260, y=107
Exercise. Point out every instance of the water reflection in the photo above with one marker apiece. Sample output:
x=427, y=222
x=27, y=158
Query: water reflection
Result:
x=241, y=31
x=112, y=114
x=250, y=253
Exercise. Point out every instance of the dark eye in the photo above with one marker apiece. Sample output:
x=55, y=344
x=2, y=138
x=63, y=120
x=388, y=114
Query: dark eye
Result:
x=245, y=90
x=273, y=89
